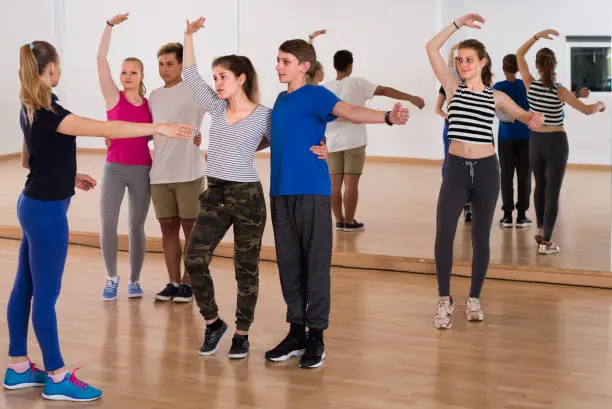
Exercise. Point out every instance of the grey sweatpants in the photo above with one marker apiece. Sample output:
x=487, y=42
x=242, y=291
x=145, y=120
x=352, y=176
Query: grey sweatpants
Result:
x=478, y=178
x=115, y=179
x=303, y=238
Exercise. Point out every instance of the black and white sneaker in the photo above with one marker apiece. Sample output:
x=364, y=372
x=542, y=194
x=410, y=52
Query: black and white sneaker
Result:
x=339, y=226
x=315, y=352
x=184, y=294
x=167, y=293
x=240, y=347
x=289, y=347
x=212, y=336
x=522, y=221
x=353, y=226
x=506, y=221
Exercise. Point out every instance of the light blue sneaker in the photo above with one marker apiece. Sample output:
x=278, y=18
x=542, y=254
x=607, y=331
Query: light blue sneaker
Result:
x=134, y=290
x=32, y=377
x=70, y=389
x=110, y=290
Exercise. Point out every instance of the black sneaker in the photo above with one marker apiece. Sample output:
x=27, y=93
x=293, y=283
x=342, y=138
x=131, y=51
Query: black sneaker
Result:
x=354, y=226
x=240, y=347
x=315, y=353
x=212, y=337
x=506, y=221
x=522, y=221
x=167, y=293
x=184, y=294
x=289, y=347
x=467, y=213
x=339, y=226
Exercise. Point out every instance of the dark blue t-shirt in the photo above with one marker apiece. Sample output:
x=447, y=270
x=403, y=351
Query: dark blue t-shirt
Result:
x=518, y=93
x=51, y=155
x=299, y=120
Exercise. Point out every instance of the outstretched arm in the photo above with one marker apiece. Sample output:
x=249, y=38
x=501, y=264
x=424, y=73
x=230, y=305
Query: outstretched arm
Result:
x=506, y=104
x=442, y=71
x=110, y=91
x=570, y=98
x=315, y=34
x=395, y=94
x=522, y=51
x=362, y=115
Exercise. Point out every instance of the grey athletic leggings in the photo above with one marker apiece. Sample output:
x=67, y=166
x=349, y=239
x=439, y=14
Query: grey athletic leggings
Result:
x=115, y=179
x=478, y=178
x=548, y=152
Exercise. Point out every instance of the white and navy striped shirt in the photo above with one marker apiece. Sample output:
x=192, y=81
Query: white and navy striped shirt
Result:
x=546, y=101
x=231, y=148
x=470, y=115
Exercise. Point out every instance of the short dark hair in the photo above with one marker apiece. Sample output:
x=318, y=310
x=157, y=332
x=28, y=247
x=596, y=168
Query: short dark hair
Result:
x=303, y=51
x=342, y=60
x=509, y=64
x=176, y=48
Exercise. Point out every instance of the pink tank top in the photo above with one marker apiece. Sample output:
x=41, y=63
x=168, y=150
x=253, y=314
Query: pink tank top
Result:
x=130, y=151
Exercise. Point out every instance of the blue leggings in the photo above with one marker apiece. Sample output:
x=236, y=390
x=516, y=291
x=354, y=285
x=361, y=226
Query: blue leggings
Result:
x=39, y=277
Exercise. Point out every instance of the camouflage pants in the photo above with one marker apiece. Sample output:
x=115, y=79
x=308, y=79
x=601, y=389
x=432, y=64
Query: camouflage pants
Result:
x=222, y=205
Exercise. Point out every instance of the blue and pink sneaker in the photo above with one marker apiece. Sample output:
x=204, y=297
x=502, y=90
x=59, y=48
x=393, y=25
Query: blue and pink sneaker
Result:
x=32, y=377
x=70, y=389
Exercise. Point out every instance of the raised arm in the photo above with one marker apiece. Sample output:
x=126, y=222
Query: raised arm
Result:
x=362, y=115
x=522, y=51
x=203, y=93
x=506, y=104
x=315, y=34
x=442, y=71
x=110, y=92
x=79, y=126
x=395, y=94
x=570, y=98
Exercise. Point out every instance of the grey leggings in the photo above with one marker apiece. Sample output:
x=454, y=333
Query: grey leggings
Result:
x=548, y=154
x=115, y=179
x=478, y=178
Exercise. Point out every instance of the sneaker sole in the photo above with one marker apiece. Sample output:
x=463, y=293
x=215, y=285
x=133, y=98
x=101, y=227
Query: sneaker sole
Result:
x=522, y=226
x=357, y=229
x=507, y=225
x=134, y=295
x=109, y=299
x=68, y=398
x=473, y=318
x=214, y=351
x=296, y=353
x=548, y=253
x=238, y=356
x=22, y=386
x=162, y=298
x=182, y=299
x=317, y=365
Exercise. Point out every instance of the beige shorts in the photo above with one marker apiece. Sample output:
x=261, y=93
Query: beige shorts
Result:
x=180, y=200
x=349, y=162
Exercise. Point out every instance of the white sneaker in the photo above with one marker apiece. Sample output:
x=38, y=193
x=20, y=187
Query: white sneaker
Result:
x=444, y=315
x=473, y=310
x=550, y=248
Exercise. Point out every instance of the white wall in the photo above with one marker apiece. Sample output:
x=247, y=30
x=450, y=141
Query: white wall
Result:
x=508, y=27
x=27, y=21
x=387, y=38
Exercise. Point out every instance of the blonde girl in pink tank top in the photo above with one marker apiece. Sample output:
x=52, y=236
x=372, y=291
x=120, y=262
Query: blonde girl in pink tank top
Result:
x=127, y=166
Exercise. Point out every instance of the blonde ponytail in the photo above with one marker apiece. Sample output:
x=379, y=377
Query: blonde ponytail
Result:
x=34, y=93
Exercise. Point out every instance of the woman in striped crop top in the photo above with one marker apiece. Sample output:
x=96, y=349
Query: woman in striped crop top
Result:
x=548, y=145
x=240, y=126
x=472, y=167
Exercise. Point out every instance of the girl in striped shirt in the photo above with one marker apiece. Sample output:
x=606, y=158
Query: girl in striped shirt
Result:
x=240, y=126
x=548, y=145
x=472, y=167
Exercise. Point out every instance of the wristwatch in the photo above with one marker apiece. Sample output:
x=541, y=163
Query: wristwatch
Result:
x=388, y=118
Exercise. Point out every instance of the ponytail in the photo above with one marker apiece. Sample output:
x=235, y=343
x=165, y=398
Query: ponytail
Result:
x=487, y=75
x=34, y=93
x=312, y=72
x=546, y=62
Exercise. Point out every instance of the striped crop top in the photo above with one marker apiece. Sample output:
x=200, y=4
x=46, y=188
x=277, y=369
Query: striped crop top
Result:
x=470, y=115
x=545, y=101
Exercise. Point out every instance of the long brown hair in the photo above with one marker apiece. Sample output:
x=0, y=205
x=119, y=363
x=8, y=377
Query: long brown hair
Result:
x=547, y=62
x=486, y=73
x=312, y=72
x=34, y=93
x=142, y=89
x=303, y=51
x=238, y=65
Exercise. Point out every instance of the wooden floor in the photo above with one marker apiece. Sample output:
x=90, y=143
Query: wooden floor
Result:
x=540, y=346
x=397, y=205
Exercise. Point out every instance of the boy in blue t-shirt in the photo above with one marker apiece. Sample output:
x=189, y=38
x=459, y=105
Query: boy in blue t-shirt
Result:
x=300, y=198
x=513, y=141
